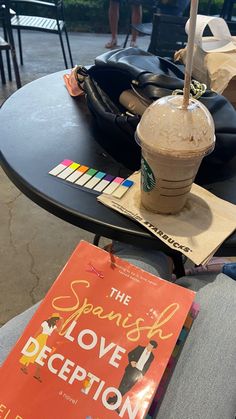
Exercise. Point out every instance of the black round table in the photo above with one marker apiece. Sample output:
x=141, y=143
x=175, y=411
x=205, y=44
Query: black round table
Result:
x=41, y=125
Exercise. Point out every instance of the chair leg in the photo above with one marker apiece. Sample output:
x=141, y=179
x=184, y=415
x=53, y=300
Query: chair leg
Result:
x=96, y=239
x=225, y=11
x=62, y=46
x=230, y=10
x=178, y=264
x=7, y=55
x=2, y=69
x=68, y=46
x=8, y=65
x=15, y=66
x=10, y=39
x=20, y=46
x=126, y=40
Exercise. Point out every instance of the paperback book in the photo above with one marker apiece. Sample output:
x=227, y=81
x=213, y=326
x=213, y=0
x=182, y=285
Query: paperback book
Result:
x=98, y=345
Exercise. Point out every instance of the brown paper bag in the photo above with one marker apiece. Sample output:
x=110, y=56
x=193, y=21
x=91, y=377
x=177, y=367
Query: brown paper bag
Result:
x=197, y=231
x=214, y=58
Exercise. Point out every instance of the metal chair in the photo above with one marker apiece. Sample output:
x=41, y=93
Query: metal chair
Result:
x=54, y=24
x=168, y=35
x=161, y=8
x=7, y=44
x=4, y=46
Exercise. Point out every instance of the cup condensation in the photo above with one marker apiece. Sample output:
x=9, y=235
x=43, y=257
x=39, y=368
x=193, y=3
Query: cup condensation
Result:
x=173, y=141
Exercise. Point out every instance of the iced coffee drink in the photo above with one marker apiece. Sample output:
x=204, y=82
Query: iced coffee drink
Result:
x=174, y=141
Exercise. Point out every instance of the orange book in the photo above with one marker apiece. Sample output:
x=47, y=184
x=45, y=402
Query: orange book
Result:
x=98, y=345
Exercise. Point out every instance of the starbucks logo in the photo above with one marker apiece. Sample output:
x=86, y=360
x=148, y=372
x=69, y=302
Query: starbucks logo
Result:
x=147, y=177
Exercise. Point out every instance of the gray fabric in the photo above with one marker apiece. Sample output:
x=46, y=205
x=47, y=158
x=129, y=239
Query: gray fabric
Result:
x=149, y=260
x=12, y=330
x=195, y=283
x=203, y=385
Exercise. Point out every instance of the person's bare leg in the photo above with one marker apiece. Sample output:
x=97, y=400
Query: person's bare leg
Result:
x=136, y=18
x=113, y=15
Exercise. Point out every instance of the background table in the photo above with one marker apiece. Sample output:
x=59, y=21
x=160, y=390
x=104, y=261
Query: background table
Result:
x=41, y=125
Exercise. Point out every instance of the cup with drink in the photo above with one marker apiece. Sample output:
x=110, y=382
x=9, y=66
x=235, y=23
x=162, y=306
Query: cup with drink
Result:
x=174, y=139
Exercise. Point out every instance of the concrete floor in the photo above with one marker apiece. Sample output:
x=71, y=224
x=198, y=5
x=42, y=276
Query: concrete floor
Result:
x=34, y=245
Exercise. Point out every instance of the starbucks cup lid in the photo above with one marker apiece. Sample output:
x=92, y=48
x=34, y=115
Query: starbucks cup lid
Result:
x=167, y=127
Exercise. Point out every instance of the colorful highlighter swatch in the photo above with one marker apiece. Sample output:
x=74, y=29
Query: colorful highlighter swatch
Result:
x=60, y=167
x=90, y=178
x=77, y=174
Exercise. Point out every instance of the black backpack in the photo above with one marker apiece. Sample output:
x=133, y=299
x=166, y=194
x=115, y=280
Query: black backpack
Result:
x=153, y=77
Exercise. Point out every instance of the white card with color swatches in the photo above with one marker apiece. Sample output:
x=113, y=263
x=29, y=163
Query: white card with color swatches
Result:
x=91, y=179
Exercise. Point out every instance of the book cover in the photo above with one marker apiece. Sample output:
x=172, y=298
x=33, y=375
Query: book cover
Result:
x=98, y=345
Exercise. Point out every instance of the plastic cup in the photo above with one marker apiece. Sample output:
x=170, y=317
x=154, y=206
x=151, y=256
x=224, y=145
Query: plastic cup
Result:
x=173, y=141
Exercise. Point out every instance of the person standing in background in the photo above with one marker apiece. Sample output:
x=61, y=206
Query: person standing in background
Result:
x=113, y=15
x=172, y=7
